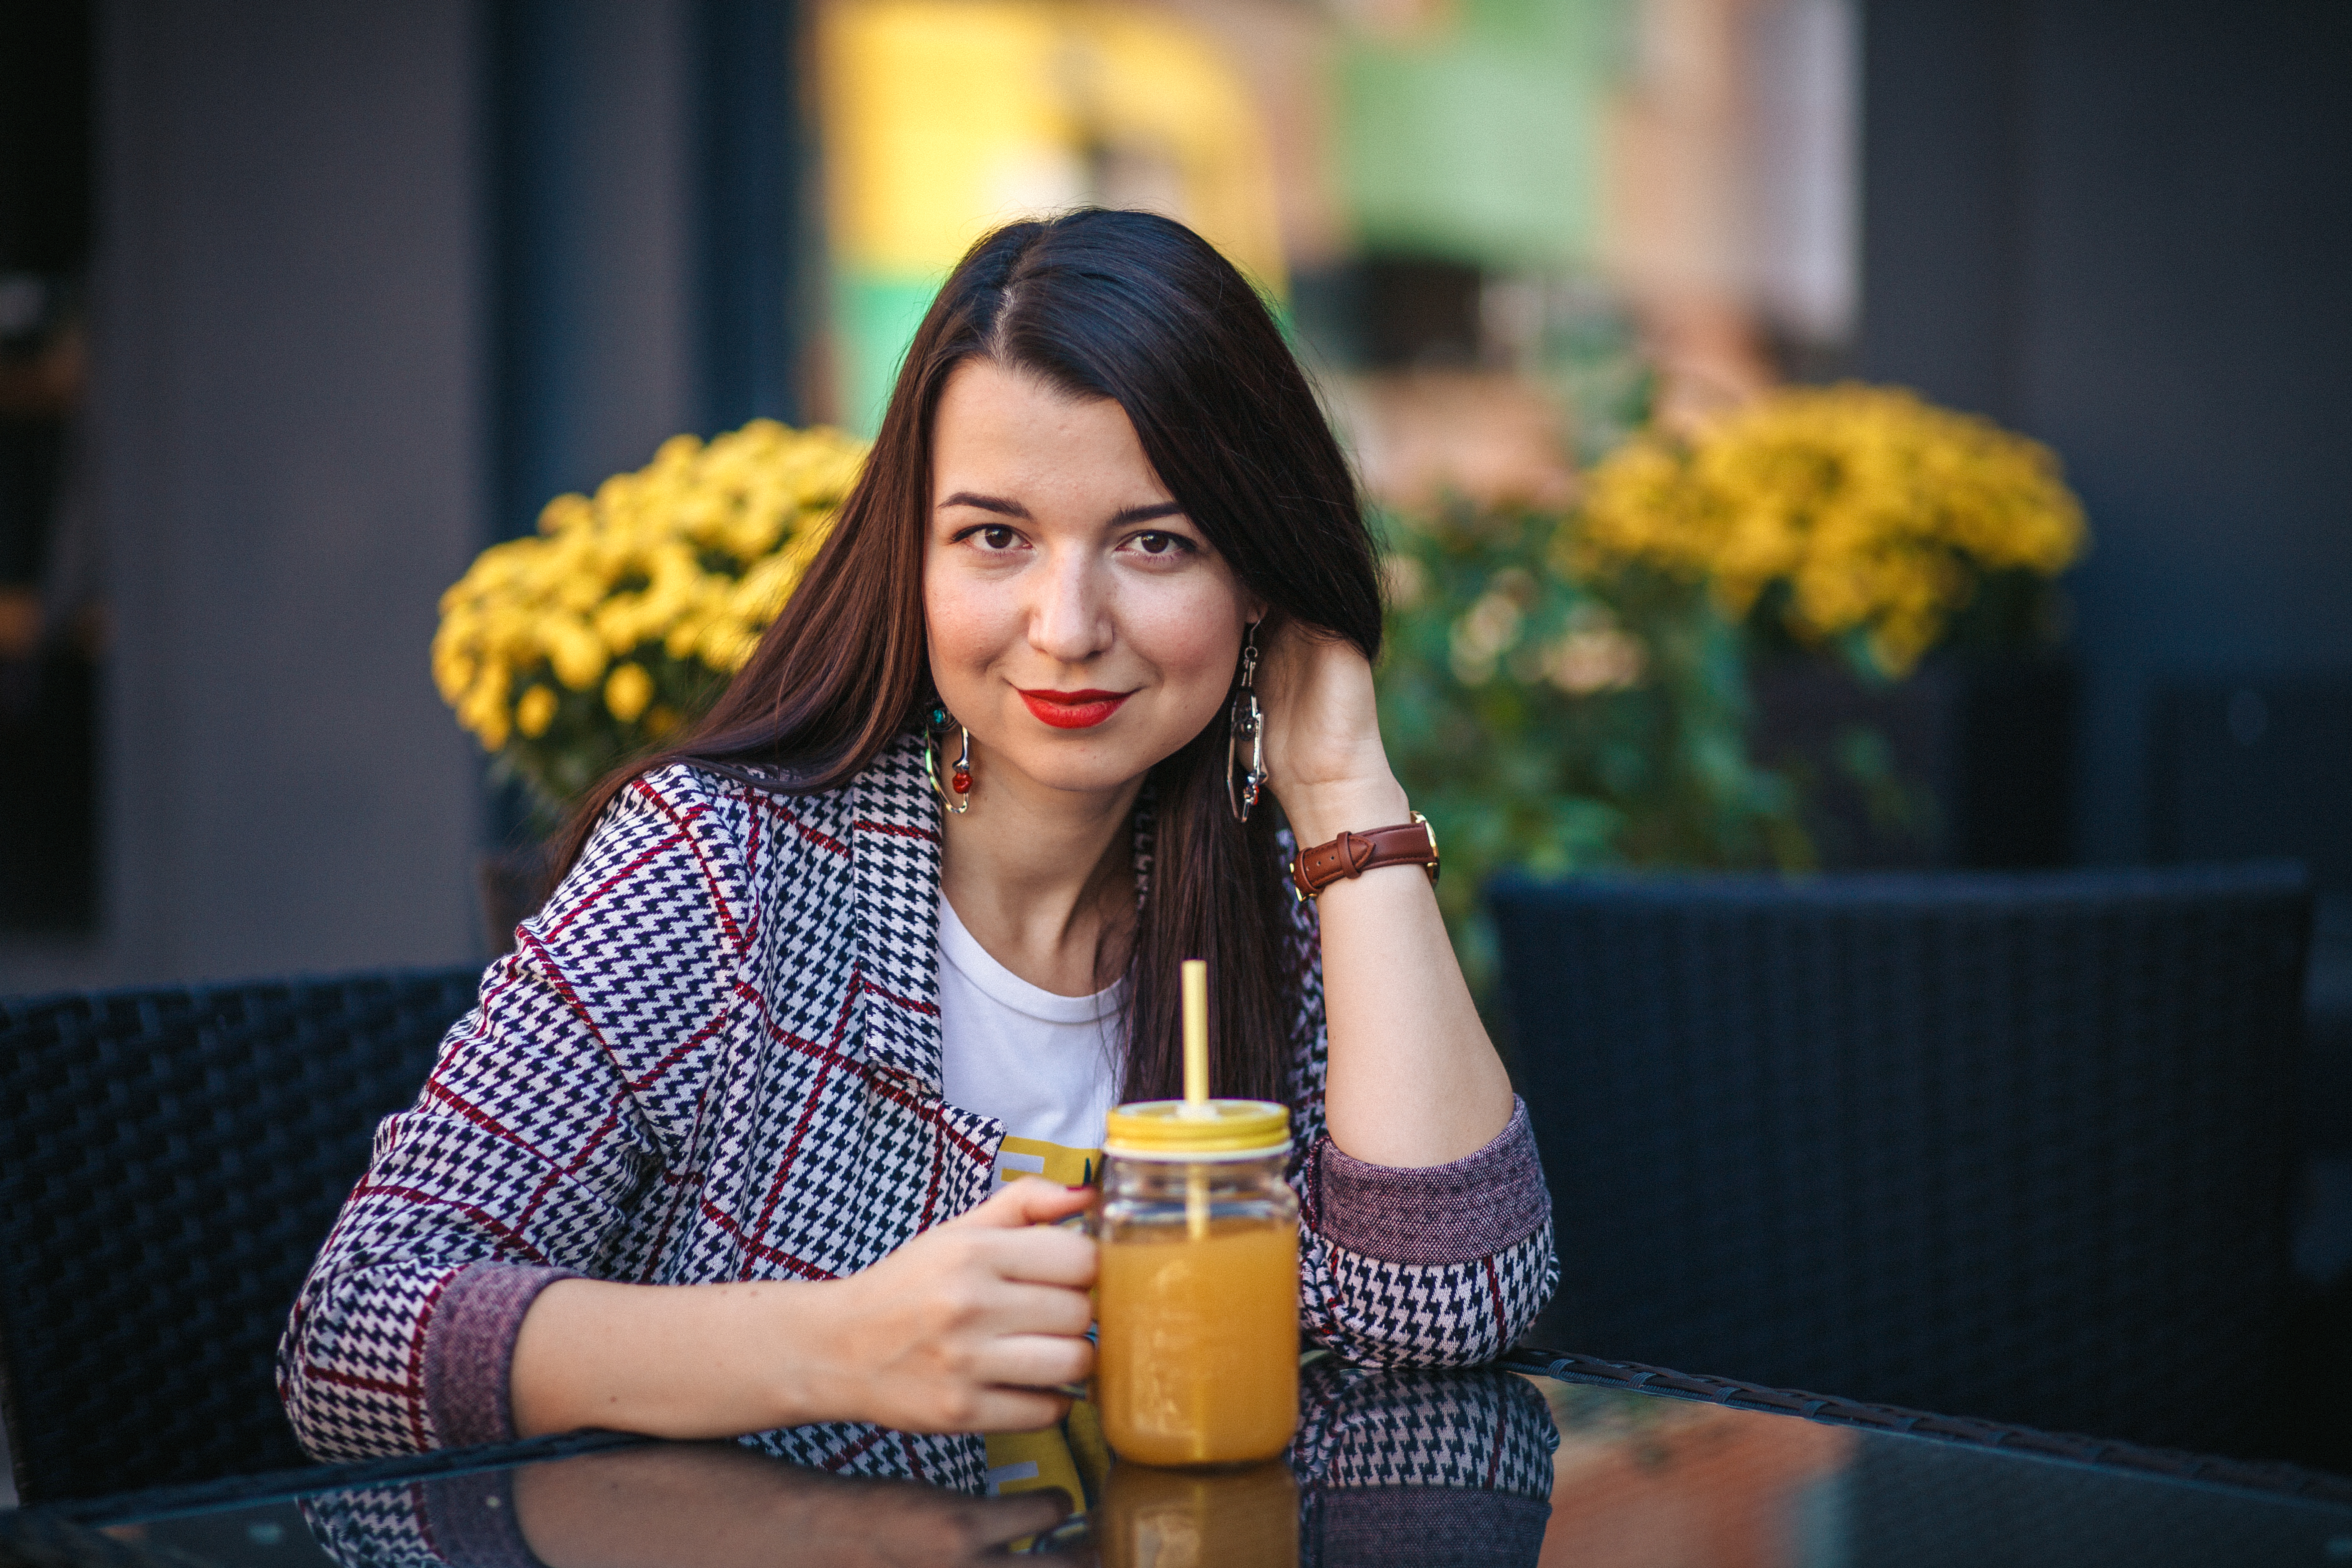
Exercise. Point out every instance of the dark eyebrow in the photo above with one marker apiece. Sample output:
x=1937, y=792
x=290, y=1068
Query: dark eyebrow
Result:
x=987, y=503
x=1122, y=518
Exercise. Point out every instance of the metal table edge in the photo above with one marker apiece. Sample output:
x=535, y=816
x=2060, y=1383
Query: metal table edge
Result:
x=2276, y=1478
x=274, y=1485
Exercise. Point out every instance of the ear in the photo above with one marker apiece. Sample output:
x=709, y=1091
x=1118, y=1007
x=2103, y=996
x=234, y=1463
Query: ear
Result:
x=1253, y=609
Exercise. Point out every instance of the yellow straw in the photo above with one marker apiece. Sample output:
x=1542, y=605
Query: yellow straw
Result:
x=1196, y=1037
x=1196, y=1090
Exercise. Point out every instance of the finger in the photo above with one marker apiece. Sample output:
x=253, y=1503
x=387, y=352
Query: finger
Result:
x=1032, y=1200
x=1296, y=646
x=1041, y=1257
x=998, y=1307
x=1279, y=668
x=1015, y=1307
x=1017, y=1410
x=1034, y=1361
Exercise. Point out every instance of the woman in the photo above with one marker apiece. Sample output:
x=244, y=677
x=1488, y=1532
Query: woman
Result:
x=903, y=917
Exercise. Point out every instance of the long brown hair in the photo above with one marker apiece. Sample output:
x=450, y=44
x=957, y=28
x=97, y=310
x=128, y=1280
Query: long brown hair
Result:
x=1137, y=309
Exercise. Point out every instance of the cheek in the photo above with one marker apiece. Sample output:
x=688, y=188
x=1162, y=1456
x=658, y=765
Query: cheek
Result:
x=1192, y=642
x=967, y=627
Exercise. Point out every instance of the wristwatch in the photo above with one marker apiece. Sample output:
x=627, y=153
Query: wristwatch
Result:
x=1411, y=843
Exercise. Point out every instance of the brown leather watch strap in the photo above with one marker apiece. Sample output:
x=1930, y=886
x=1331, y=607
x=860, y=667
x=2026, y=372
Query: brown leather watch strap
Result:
x=1411, y=843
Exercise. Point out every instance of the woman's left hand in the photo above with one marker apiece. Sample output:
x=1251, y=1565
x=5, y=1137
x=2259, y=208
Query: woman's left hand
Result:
x=1323, y=746
x=1413, y=1078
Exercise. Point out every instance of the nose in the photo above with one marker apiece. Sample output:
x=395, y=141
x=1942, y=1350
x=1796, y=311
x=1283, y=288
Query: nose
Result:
x=1070, y=621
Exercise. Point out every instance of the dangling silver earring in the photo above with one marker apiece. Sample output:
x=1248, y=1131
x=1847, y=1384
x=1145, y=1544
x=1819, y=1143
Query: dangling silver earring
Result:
x=1246, y=728
x=959, y=781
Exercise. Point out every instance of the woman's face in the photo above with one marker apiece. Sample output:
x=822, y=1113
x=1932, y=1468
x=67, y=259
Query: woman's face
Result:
x=1081, y=626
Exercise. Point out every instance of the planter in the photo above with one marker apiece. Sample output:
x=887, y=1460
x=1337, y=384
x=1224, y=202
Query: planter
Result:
x=1968, y=764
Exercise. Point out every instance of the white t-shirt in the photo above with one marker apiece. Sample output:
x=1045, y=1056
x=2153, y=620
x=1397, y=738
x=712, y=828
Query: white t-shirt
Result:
x=1041, y=1064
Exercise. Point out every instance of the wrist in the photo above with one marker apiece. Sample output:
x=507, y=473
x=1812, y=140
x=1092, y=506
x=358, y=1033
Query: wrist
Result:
x=1319, y=812
x=806, y=1323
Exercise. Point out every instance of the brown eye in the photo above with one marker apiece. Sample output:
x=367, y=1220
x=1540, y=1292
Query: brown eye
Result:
x=1157, y=544
x=997, y=538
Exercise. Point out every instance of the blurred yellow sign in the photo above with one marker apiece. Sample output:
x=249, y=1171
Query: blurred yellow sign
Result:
x=944, y=119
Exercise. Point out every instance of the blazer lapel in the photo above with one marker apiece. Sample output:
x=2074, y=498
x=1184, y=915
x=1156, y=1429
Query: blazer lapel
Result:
x=894, y=845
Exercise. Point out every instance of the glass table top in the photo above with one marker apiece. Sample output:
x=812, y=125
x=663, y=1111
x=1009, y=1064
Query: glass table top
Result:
x=1475, y=1466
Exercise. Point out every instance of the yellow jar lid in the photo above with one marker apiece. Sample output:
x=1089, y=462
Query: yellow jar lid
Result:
x=1161, y=1129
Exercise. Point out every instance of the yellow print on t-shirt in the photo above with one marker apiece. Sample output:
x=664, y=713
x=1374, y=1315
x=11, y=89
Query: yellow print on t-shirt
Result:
x=1019, y=1157
x=1030, y=1461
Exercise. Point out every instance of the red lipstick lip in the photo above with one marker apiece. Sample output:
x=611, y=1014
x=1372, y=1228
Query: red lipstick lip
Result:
x=1074, y=710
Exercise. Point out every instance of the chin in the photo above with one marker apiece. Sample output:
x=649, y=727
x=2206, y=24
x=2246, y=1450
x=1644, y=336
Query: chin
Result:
x=1095, y=764
x=1094, y=775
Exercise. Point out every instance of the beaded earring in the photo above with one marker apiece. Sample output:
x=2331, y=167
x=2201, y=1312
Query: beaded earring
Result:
x=957, y=793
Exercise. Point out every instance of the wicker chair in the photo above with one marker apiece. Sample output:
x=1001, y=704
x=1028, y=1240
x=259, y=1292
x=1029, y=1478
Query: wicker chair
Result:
x=2005, y=1145
x=170, y=1162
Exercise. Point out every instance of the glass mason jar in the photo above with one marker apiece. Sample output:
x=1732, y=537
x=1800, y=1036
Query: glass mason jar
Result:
x=1197, y=1296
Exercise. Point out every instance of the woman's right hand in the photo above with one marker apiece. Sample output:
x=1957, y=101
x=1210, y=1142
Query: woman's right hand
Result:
x=966, y=1328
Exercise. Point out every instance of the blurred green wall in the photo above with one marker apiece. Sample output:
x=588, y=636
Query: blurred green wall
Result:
x=1480, y=142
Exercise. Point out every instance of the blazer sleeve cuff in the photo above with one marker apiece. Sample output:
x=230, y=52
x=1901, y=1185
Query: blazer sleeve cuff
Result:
x=1475, y=1207
x=469, y=1349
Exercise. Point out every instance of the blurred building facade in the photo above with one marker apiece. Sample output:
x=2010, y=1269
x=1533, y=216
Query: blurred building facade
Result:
x=2123, y=229
x=369, y=284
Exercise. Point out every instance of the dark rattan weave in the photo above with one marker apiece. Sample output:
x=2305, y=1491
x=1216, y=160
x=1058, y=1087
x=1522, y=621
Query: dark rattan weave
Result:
x=169, y=1163
x=2008, y=1146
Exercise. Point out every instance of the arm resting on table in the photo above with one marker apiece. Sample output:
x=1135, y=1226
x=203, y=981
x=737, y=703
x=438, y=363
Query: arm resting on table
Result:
x=1434, y=1266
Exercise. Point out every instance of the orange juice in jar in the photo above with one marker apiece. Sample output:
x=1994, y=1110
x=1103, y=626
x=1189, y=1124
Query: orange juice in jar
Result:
x=1197, y=1294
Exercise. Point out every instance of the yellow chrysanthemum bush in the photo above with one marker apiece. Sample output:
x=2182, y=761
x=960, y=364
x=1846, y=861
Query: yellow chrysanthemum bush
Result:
x=1856, y=516
x=566, y=652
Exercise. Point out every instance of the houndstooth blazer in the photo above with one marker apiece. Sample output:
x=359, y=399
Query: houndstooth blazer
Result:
x=715, y=1055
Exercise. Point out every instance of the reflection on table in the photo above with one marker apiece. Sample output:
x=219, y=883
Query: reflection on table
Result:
x=1479, y=1466
x=1396, y=1466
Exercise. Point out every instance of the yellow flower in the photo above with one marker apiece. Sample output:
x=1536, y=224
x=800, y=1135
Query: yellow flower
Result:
x=577, y=652
x=627, y=690
x=454, y=666
x=535, y=711
x=1877, y=510
x=562, y=513
x=668, y=573
x=725, y=644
